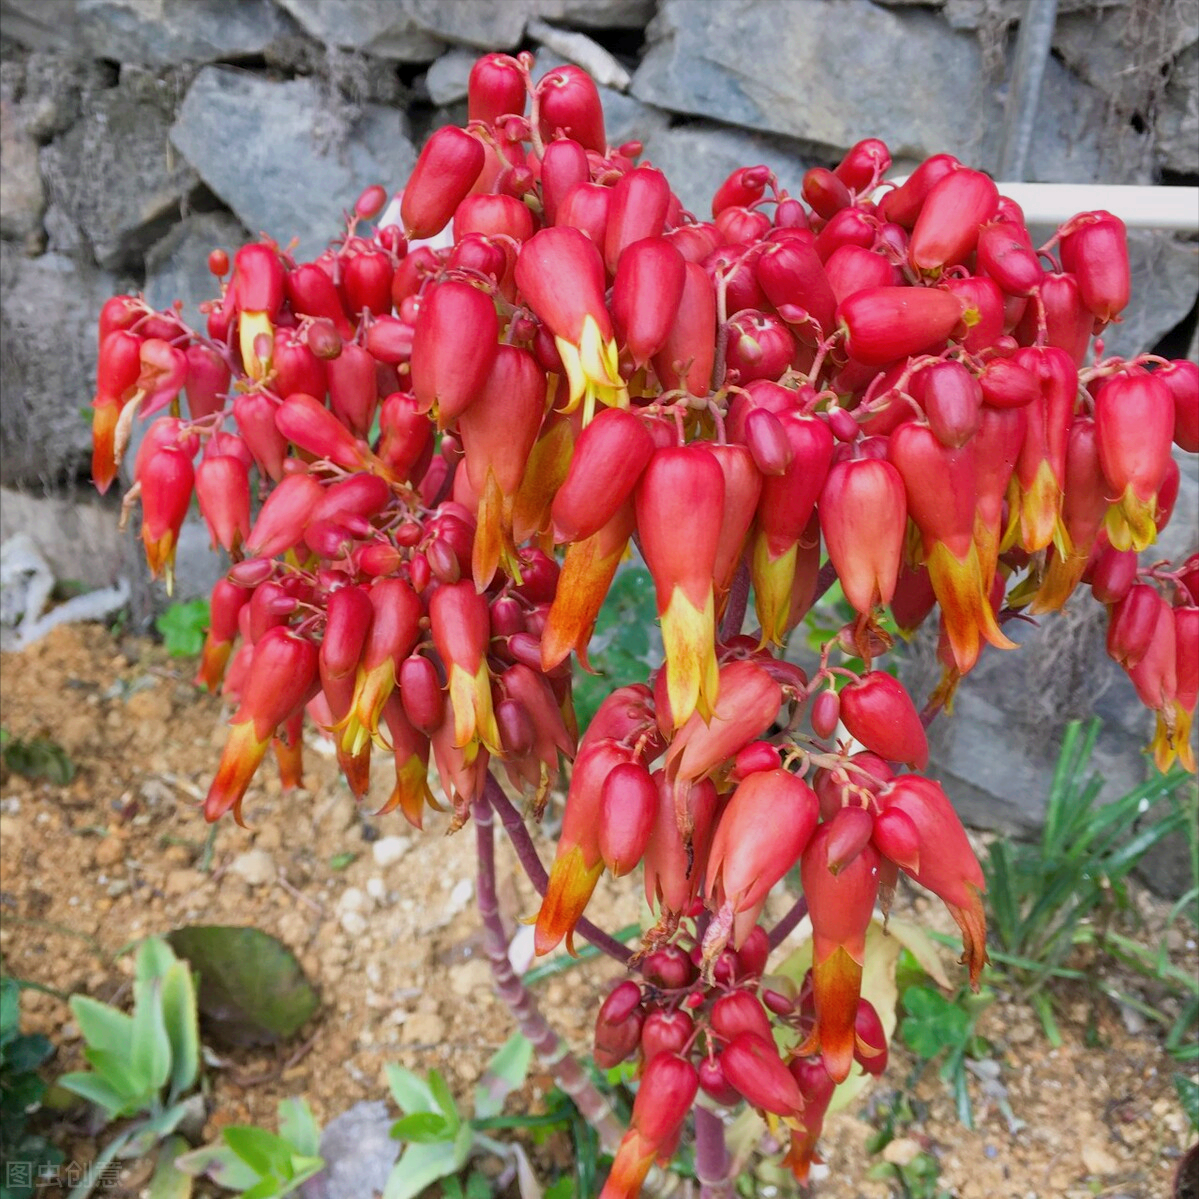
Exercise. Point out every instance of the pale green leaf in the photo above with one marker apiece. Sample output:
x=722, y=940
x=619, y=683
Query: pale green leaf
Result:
x=103, y=1027
x=298, y=1127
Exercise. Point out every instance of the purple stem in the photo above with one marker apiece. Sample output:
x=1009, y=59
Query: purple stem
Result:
x=552, y=1051
x=526, y=853
x=787, y=925
x=712, y=1162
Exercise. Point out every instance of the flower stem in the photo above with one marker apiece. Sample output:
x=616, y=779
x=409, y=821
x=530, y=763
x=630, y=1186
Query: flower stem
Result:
x=787, y=925
x=712, y=1162
x=551, y=1049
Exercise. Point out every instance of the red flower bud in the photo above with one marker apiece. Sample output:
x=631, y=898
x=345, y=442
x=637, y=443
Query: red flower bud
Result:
x=685, y=360
x=628, y=807
x=445, y=172
x=646, y=295
x=886, y=323
x=903, y=204
x=878, y=711
x=570, y=105
x=946, y=231
x=1094, y=247
x=223, y=490
x=637, y=210
x=751, y=1063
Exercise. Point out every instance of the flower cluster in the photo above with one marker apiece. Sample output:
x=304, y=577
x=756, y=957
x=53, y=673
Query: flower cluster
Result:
x=428, y=451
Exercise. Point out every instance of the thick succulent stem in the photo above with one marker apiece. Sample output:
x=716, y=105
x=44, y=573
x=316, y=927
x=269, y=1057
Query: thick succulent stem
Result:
x=788, y=924
x=712, y=1161
x=734, y=613
x=552, y=1051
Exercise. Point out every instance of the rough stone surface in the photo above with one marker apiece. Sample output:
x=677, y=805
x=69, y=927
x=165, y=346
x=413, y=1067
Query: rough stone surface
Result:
x=22, y=196
x=743, y=62
x=56, y=88
x=76, y=534
x=359, y=1152
x=294, y=171
x=446, y=80
x=697, y=159
x=47, y=304
x=595, y=14
x=582, y=51
x=1177, y=127
x=113, y=173
x=1165, y=284
x=386, y=30
x=177, y=266
x=483, y=24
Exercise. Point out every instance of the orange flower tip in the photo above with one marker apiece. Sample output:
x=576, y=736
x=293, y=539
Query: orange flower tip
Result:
x=569, y=889
x=692, y=672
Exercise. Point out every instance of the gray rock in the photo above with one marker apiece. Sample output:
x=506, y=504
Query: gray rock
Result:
x=386, y=30
x=359, y=1153
x=1181, y=536
x=166, y=32
x=447, y=78
x=114, y=174
x=56, y=88
x=1165, y=284
x=22, y=196
x=76, y=534
x=483, y=24
x=177, y=266
x=48, y=311
x=153, y=32
x=294, y=170
x=698, y=158
x=843, y=70
x=596, y=14
x=582, y=51
x=1177, y=127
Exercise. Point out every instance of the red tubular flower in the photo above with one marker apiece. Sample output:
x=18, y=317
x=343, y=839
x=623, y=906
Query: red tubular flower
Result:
x=637, y=211
x=942, y=859
x=259, y=288
x=585, y=208
x=312, y=292
x=743, y=187
x=1001, y=434
x=495, y=88
x=646, y=294
x=794, y=280
x=1181, y=379
x=1094, y=247
x=563, y=166
x=1084, y=506
x=941, y=486
x=817, y=1089
x=609, y=457
x=224, y=608
x=749, y=701
x=685, y=360
x=569, y=105
x=462, y=778
x=166, y=477
x=667, y=1091
x=863, y=517
x=784, y=509
x=618, y=1025
x=878, y=711
x=840, y=906
x=405, y=436
x=628, y=806
x=461, y=631
x=307, y=423
x=752, y=1065
x=283, y=518
x=760, y=835
x=674, y=864
x=587, y=572
x=1134, y=423
x=223, y=491
x=453, y=349
x=117, y=373
x=885, y=323
x=445, y=172
x=579, y=860
x=1067, y=321
x=736, y=1012
x=549, y=734
x=1006, y=254
x=946, y=231
x=254, y=412
x=952, y=401
x=499, y=430
x=742, y=491
x=560, y=275
x=903, y=204
x=683, y=489
x=410, y=748
x=1172, y=737
x=282, y=678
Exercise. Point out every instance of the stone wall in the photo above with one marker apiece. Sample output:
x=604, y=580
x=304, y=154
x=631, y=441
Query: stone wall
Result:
x=135, y=135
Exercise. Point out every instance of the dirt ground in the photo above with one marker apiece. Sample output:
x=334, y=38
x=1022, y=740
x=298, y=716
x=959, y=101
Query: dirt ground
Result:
x=392, y=942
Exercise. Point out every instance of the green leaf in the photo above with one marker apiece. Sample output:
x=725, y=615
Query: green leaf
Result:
x=1188, y=1096
x=423, y=1128
x=411, y=1091
x=505, y=1073
x=169, y=1182
x=422, y=1165
x=444, y=1099
x=183, y=626
x=10, y=1009
x=95, y=1090
x=119, y=1072
x=39, y=758
x=339, y=861
x=933, y=1023
x=102, y=1026
x=261, y=1150
x=252, y=990
x=151, y=1056
x=24, y=1054
x=154, y=958
x=219, y=1163
x=183, y=1028
x=298, y=1126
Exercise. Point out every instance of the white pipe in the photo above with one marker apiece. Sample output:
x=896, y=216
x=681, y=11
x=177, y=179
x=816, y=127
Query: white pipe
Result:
x=1138, y=207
